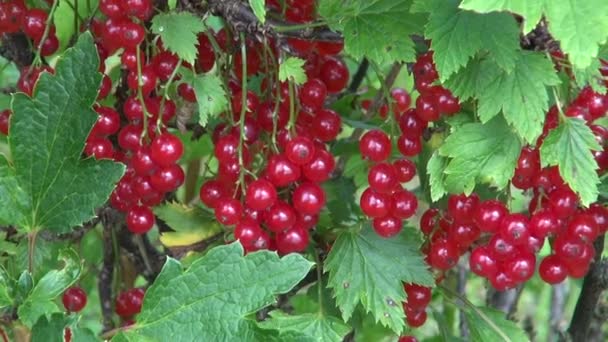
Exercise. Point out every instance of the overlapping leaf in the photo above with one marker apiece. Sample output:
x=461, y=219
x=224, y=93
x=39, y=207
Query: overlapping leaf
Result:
x=49, y=185
x=210, y=94
x=179, y=33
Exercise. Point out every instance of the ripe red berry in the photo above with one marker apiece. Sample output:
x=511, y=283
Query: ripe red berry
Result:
x=228, y=211
x=247, y=231
x=300, y=150
x=563, y=202
x=292, y=240
x=308, y=198
x=260, y=195
x=4, y=121
x=321, y=166
x=387, y=226
x=429, y=220
x=334, y=74
x=282, y=172
x=326, y=125
x=584, y=227
x=382, y=177
x=375, y=204
x=543, y=223
x=443, y=254
x=168, y=178
x=129, y=303
x=411, y=125
x=462, y=208
x=418, y=297
x=375, y=145
x=74, y=299
x=34, y=23
x=166, y=149
x=482, y=262
x=552, y=270
x=280, y=217
x=514, y=228
x=402, y=99
x=409, y=146
x=404, y=204
x=426, y=109
x=521, y=267
x=489, y=214
x=140, y=219
x=312, y=94
x=406, y=170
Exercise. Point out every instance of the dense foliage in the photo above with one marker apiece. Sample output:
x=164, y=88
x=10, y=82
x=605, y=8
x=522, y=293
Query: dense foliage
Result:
x=303, y=170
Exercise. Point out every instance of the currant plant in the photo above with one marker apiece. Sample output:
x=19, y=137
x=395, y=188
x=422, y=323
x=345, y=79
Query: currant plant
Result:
x=312, y=170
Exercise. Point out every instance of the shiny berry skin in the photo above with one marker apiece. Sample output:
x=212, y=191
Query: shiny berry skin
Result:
x=404, y=204
x=292, y=240
x=148, y=80
x=584, y=227
x=140, y=219
x=111, y=8
x=543, y=223
x=407, y=339
x=326, y=125
x=528, y=164
x=132, y=34
x=99, y=148
x=463, y=234
x=228, y=211
x=129, y=303
x=552, y=270
x=501, y=281
x=411, y=125
x=49, y=46
x=405, y=169
x=402, y=99
x=266, y=113
x=308, y=198
x=74, y=299
x=166, y=149
x=429, y=220
x=489, y=214
x=247, y=231
x=521, y=267
x=426, y=109
x=4, y=121
x=164, y=65
x=462, y=208
x=282, y=172
x=334, y=74
x=374, y=204
x=300, y=150
x=387, y=226
x=141, y=9
x=375, y=145
x=600, y=215
x=424, y=68
x=211, y=192
x=11, y=16
x=168, y=178
x=418, y=297
x=260, y=195
x=563, y=202
x=501, y=248
x=280, y=217
x=142, y=162
x=409, y=146
x=514, y=228
x=444, y=101
x=226, y=148
x=34, y=23
x=443, y=254
x=568, y=247
x=105, y=88
x=382, y=177
x=415, y=318
x=482, y=262
x=312, y=94
x=186, y=91
x=321, y=166
x=108, y=122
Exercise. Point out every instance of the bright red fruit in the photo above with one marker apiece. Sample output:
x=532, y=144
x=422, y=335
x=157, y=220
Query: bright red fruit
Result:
x=260, y=195
x=166, y=149
x=308, y=198
x=74, y=299
x=292, y=240
x=552, y=270
x=382, y=177
x=140, y=219
x=375, y=145
x=387, y=226
x=375, y=204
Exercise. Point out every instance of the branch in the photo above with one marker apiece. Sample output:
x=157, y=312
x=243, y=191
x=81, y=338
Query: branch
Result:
x=359, y=76
x=388, y=84
x=109, y=220
x=595, y=282
x=16, y=48
x=559, y=294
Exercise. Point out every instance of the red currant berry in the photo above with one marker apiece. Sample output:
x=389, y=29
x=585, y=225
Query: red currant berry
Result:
x=4, y=121
x=462, y=208
x=326, y=125
x=308, y=198
x=514, y=228
x=552, y=270
x=406, y=170
x=443, y=254
x=543, y=223
x=168, y=178
x=129, y=303
x=402, y=99
x=429, y=220
x=387, y=226
x=260, y=195
x=375, y=145
x=247, y=231
x=563, y=202
x=292, y=240
x=426, y=109
x=382, y=177
x=300, y=150
x=404, y=204
x=312, y=94
x=282, y=172
x=166, y=149
x=280, y=217
x=409, y=146
x=489, y=214
x=482, y=262
x=321, y=166
x=374, y=204
x=584, y=227
x=334, y=74
x=521, y=267
x=140, y=219
x=74, y=299
x=418, y=297
x=228, y=211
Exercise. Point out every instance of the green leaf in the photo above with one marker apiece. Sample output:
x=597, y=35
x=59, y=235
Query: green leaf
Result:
x=365, y=268
x=569, y=147
x=6, y=299
x=316, y=325
x=64, y=19
x=182, y=218
x=195, y=149
x=521, y=95
x=40, y=300
x=579, y=25
x=211, y=96
x=436, y=171
x=48, y=134
x=531, y=10
x=340, y=199
x=218, y=290
x=480, y=153
x=179, y=31
x=259, y=9
x=378, y=29
x=487, y=324
x=292, y=68
x=171, y=4
x=14, y=202
x=458, y=35
x=51, y=329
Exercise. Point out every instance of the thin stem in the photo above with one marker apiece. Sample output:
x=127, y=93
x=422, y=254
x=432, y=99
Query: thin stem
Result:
x=289, y=28
x=45, y=35
x=243, y=112
x=31, y=250
x=159, y=120
x=558, y=103
x=319, y=280
x=139, y=241
x=292, y=107
x=140, y=95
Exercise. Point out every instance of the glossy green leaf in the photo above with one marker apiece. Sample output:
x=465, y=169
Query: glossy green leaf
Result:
x=210, y=94
x=179, y=31
x=487, y=324
x=292, y=68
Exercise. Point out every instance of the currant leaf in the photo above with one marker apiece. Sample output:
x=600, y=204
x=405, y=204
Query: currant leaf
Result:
x=292, y=68
x=491, y=325
x=436, y=171
x=363, y=23
x=52, y=329
x=50, y=184
x=40, y=300
x=316, y=325
x=362, y=269
x=259, y=9
x=457, y=35
x=479, y=153
x=6, y=299
x=569, y=147
x=211, y=96
x=190, y=224
x=579, y=26
x=179, y=33
x=221, y=288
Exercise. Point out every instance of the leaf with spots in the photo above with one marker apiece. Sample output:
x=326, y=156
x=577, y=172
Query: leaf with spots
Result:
x=369, y=270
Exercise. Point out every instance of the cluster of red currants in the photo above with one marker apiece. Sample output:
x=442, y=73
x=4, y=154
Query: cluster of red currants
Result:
x=16, y=17
x=418, y=298
x=268, y=185
x=128, y=304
